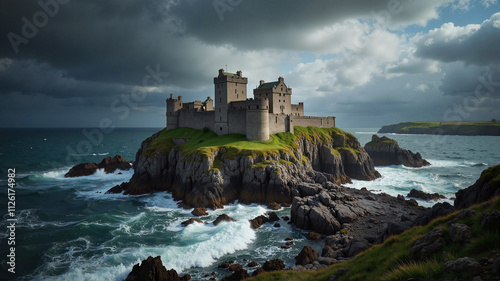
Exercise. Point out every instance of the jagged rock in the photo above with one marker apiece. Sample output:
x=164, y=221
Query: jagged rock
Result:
x=423, y=195
x=460, y=232
x=273, y=265
x=235, y=267
x=385, y=151
x=491, y=220
x=190, y=221
x=186, y=277
x=152, y=269
x=273, y=217
x=306, y=256
x=463, y=265
x=222, y=218
x=199, y=212
x=240, y=274
x=429, y=244
x=193, y=179
x=313, y=236
x=309, y=189
x=485, y=188
x=252, y=264
x=438, y=210
x=273, y=206
x=258, y=271
x=108, y=164
x=224, y=265
x=258, y=221
x=328, y=252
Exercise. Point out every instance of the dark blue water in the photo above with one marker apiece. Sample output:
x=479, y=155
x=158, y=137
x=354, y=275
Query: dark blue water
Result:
x=68, y=229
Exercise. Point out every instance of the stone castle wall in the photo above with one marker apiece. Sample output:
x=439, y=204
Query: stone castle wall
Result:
x=321, y=122
x=196, y=120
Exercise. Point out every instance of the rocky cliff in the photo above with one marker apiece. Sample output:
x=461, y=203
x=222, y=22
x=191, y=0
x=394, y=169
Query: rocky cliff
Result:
x=485, y=188
x=205, y=170
x=385, y=151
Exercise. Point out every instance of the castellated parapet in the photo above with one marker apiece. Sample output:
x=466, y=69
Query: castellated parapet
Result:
x=269, y=112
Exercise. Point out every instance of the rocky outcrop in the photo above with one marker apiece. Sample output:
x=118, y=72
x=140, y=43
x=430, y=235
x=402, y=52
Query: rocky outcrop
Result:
x=429, y=244
x=223, y=218
x=385, y=152
x=485, y=188
x=306, y=256
x=438, y=210
x=463, y=265
x=152, y=269
x=108, y=164
x=424, y=195
x=222, y=176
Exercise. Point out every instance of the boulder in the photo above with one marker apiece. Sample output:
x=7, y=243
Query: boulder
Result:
x=258, y=271
x=222, y=218
x=108, y=164
x=313, y=236
x=224, y=265
x=485, y=188
x=273, y=265
x=355, y=246
x=438, y=210
x=235, y=267
x=306, y=256
x=152, y=269
x=385, y=152
x=429, y=244
x=274, y=206
x=463, y=265
x=258, y=221
x=252, y=264
x=491, y=220
x=460, y=232
x=273, y=217
x=190, y=221
x=424, y=195
x=199, y=212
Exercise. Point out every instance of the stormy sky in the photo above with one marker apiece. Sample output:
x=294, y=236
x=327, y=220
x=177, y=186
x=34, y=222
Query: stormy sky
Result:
x=75, y=63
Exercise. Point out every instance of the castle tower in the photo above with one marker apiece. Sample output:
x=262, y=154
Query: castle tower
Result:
x=279, y=95
x=173, y=107
x=257, y=116
x=229, y=87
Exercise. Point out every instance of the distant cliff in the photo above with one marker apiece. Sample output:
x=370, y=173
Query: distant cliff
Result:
x=206, y=170
x=445, y=128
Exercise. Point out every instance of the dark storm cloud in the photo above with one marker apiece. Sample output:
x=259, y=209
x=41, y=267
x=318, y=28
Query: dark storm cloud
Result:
x=472, y=44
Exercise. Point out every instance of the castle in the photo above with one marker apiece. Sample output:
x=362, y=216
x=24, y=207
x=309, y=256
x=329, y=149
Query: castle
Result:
x=270, y=111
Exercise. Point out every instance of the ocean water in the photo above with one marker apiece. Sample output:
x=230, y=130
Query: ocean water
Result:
x=68, y=229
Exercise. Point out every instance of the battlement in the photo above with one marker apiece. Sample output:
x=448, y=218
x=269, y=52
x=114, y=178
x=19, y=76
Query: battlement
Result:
x=230, y=77
x=257, y=104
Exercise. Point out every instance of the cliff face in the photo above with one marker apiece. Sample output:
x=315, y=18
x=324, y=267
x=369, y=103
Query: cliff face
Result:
x=215, y=175
x=385, y=151
x=485, y=188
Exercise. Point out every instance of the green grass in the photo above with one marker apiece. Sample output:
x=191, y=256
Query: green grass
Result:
x=390, y=260
x=491, y=175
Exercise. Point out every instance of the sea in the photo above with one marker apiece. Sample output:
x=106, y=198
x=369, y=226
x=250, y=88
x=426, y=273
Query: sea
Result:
x=69, y=229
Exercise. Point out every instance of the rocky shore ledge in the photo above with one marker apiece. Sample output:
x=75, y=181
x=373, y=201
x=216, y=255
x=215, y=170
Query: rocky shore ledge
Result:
x=206, y=170
x=385, y=151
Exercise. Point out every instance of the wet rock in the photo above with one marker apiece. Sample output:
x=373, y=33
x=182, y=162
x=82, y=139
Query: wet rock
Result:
x=460, y=232
x=463, y=265
x=240, y=274
x=277, y=225
x=273, y=265
x=289, y=239
x=222, y=218
x=152, y=269
x=108, y=164
x=258, y=271
x=199, y=212
x=274, y=206
x=186, y=277
x=224, y=265
x=273, y=217
x=429, y=244
x=313, y=236
x=306, y=256
x=258, y=221
x=190, y=221
x=252, y=264
x=423, y=195
x=235, y=267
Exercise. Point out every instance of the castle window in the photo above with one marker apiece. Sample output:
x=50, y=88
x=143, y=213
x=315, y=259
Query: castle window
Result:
x=236, y=95
x=257, y=107
x=221, y=129
x=276, y=119
x=235, y=91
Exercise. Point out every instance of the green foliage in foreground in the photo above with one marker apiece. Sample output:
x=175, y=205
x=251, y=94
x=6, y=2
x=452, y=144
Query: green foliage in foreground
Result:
x=205, y=143
x=390, y=260
x=491, y=175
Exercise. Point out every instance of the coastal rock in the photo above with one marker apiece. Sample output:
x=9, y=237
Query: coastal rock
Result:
x=313, y=236
x=423, y=195
x=152, y=269
x=108, y=164
x=273, y=265
x=485, y=188
x=240, y=274
x=429, y=244
x=438, y=210
x=460, y=232
x=258, y=221
x=252, y=264
x=222, y=218
x=199, y=212
x=275, y=177
x=235, y=267
x=385, y=152
x=463, y=265
x=306, y=256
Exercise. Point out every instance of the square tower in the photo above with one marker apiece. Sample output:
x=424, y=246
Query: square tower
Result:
x=278, y=93
x=229, y=87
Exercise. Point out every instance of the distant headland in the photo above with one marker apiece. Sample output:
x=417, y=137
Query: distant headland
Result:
x=473, y=128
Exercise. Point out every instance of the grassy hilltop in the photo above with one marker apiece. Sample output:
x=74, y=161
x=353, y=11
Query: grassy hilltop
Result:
x=444, y=128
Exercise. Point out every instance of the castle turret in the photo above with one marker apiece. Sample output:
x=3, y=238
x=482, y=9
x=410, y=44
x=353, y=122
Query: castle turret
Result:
x=229, y=87
x=257, y=115
x=173, y=107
